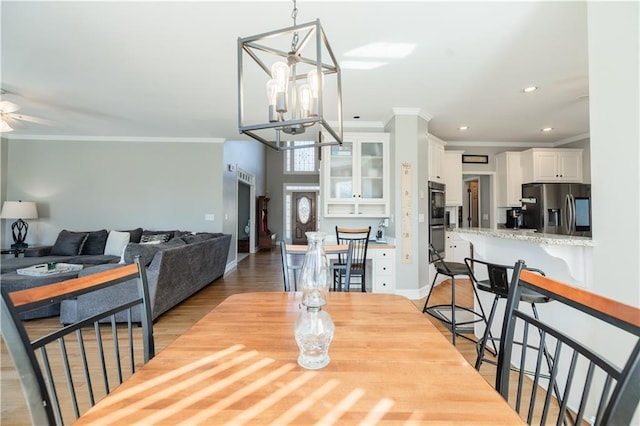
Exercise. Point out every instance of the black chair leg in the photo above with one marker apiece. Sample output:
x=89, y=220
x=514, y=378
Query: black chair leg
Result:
x=424, y=310
x=487, y=335
x=453, y=310
x=484, y=317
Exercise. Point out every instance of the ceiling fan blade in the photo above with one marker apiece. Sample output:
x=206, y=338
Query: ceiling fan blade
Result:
x=32, y=119
x=7, y=107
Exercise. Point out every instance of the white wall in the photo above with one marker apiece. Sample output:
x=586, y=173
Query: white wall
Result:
x=90, y=185
x=614, y=91
x=615, y=148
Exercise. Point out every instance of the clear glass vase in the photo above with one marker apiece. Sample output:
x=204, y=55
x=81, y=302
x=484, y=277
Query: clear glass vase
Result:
x=313, y=331
x=315, y=276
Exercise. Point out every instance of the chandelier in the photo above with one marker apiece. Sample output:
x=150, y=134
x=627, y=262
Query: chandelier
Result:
x=283, y=92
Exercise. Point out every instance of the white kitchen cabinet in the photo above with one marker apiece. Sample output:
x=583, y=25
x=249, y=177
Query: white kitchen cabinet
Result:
x=455, y=248
x=356, y=176
x=383, y=265
x=508, y=179
x=436, y=159
x=452, y=173
x=551, y=165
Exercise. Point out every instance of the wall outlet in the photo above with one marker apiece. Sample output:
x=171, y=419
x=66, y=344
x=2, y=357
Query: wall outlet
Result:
x=209, y=216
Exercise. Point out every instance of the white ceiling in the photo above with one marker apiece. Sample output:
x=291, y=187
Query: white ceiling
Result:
x=169, y=69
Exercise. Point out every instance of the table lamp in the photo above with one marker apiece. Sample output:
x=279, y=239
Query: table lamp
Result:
x=19, y=210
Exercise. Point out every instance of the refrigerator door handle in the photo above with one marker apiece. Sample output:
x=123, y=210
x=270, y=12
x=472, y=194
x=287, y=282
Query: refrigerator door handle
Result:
x=573, y=214
x=567, y=214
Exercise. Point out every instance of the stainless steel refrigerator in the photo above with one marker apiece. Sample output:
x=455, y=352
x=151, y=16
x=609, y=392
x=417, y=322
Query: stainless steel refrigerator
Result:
x=557, y=208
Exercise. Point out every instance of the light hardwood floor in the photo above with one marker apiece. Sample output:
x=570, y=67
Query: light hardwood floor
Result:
x=256, y=273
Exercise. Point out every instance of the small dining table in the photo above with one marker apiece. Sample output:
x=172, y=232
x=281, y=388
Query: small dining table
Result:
x=237, y=365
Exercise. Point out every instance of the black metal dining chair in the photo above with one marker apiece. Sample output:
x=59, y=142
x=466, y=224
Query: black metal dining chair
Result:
x=358, y=241
x=446, y=313
x=87, y=358
x=594, y=388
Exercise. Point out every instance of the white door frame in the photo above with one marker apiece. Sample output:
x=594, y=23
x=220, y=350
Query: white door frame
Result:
x=249, y=179
x=492, y=194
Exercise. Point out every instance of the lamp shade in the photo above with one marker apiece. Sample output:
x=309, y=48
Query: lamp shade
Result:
x=19, y=210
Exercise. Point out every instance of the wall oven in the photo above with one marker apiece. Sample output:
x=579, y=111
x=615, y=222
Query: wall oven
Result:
x=436, y=215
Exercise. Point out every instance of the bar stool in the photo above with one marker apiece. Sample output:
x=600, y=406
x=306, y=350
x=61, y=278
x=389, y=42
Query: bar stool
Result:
x=453, y=270
x=497, y=283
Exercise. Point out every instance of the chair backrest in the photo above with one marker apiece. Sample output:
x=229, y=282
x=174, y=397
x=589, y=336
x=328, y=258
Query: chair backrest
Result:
x=593, y=388
x=438, y=261
x=358, y=238
x=291, y=263
x=497, y=275
x=80, y=355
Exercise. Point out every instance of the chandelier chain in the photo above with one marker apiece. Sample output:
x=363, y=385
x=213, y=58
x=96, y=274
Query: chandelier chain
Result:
x=294, y=15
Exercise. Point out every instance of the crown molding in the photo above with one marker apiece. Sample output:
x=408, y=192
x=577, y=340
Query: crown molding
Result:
x=408, y=111
x=74, y=138
x=572, y=139
x=500, y=144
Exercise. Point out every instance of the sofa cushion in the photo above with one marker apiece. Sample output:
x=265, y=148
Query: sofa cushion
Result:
x=163, y=238
x=116, y=243
x=171, y=233
x=148, y=251
x=68, y=243
x=95, y=242
x=134, y=235
x=189, y=239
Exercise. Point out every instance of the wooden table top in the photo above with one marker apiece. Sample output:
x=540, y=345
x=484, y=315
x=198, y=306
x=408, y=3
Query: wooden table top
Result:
x=237, y=365
x=328, y=249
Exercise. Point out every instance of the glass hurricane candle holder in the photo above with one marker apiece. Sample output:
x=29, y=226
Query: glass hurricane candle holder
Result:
x=313, y=331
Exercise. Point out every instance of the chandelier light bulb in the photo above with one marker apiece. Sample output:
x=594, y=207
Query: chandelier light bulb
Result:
x=272, y=96
x=314, y=81
x=280, y=73
x=305, y=95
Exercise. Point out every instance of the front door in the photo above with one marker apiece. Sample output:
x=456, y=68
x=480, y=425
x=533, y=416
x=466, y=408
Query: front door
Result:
x=304, y=216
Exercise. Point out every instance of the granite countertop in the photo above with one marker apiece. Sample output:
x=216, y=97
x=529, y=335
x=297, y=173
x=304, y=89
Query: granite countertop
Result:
x=529, y=235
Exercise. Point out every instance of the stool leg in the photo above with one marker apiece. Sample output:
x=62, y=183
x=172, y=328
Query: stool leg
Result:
x=484, y=317
x=453, y=309
x=429, y=295
x=487, y=335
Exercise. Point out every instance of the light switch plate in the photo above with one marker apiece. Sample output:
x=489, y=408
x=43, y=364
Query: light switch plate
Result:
x=210, y=216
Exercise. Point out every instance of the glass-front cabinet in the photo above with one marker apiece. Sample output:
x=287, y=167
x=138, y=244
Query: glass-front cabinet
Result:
x=356, y=176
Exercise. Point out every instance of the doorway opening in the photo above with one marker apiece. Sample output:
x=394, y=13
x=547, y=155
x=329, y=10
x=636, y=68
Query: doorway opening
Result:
x=478, y=204
x=300, y=211
x=246, y=214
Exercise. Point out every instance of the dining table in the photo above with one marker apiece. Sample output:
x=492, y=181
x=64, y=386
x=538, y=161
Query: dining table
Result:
x=237, y=365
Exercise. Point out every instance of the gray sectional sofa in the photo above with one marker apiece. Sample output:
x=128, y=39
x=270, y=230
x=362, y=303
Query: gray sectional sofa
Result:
x=177, y=270
x=187, y=267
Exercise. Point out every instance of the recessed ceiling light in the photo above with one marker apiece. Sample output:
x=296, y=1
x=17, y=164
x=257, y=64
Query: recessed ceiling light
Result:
x=382, y=50
x=546, y=129
x=530, y=89
x=463, y=128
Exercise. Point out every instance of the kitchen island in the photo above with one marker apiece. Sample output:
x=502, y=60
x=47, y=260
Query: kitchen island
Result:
x=565, y=257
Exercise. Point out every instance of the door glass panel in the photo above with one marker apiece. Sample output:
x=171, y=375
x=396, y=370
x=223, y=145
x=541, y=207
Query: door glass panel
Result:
x=341, y=174
x=304, y=210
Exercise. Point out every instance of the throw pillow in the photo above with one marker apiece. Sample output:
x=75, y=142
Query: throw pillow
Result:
x=116, y=243
x=95, y=242
x=134, y=235
x=163, y=238
x=68, y=243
